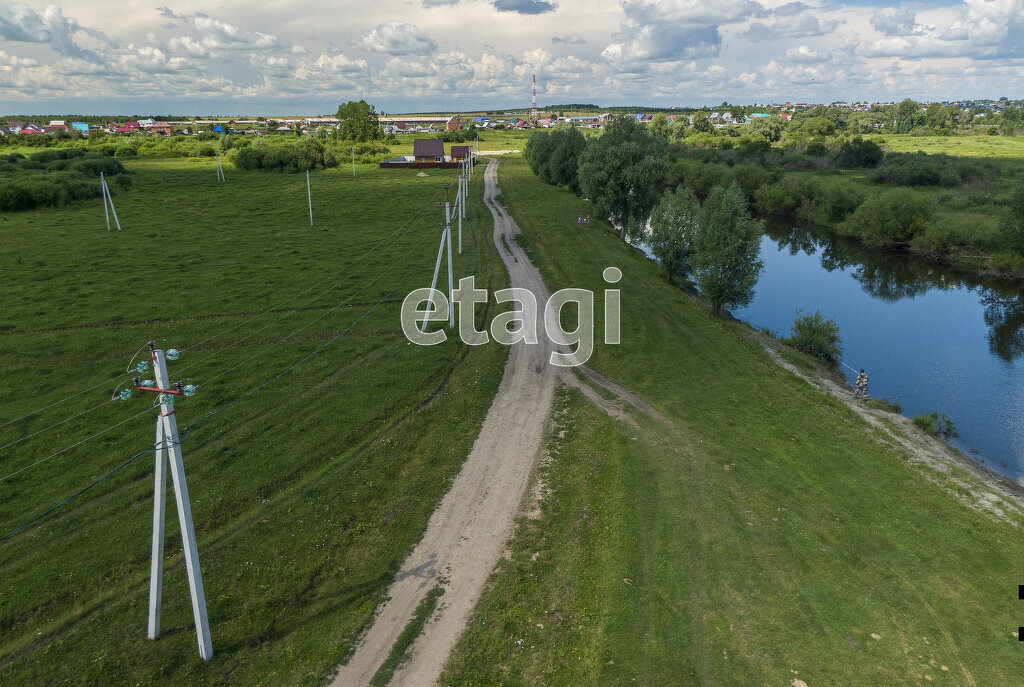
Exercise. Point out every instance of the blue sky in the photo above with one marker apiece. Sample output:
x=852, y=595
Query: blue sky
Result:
x=280, y=57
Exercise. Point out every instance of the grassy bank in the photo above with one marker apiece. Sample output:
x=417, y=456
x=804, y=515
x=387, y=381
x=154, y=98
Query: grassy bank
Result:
x=306, y=493
x=762, y=535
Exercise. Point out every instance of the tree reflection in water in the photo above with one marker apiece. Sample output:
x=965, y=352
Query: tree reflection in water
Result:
x=892, y=276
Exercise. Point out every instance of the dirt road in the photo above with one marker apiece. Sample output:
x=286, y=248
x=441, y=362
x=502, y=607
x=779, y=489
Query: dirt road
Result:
x=469, y=530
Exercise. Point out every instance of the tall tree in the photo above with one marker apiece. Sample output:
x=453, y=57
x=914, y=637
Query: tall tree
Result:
x=659, y=125
x=358, y=121
x=907, y=116
x=725, y=260
x=674, y=226
x=702, y=122
x=618, y=173
x=564, y=164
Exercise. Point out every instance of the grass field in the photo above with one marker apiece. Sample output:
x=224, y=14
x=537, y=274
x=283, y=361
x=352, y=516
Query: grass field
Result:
x=1008, y=147
x=307, y=493
x=763, y=535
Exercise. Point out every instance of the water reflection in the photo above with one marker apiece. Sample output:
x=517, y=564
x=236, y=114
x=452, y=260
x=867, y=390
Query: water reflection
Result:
x=891, y=277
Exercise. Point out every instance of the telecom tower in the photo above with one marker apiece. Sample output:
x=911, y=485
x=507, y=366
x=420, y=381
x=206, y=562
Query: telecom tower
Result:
x=533, y=106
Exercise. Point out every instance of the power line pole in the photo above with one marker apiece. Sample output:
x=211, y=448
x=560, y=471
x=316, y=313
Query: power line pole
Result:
x=220, y=170
x=168, y=452
x=105, y=191
x=309, y=197
x=446, y=240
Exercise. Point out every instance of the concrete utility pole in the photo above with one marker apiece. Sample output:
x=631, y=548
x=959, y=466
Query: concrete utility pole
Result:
x=168, y=451
x=446, y=240
x=220, y=170
x=105, y=192
x=309, y=197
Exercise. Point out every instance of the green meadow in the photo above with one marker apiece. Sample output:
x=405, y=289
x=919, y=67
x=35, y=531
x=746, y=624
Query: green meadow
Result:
x=760, y=534
x=316, y=448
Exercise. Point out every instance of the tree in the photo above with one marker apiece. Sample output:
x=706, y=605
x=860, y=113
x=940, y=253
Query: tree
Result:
x=769, y=127
x=674, y=226
x=907, y=116
x=725, y=262
x=702, y=122
x=817, y=336
x=618, y=173
x=564, y=164
x=818, y=126
x=358, y=121
x=659, y=125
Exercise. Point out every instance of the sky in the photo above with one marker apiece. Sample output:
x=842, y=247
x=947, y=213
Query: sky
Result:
x=283, y=57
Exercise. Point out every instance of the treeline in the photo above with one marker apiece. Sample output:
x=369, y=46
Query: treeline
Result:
x=305, y=155
x=807, y=182
x=715, y=244
x=54, y=178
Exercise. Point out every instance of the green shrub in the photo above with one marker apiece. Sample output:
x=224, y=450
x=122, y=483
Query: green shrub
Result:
x=817, y=336
x=836, y=202
x=937, y=423
x=895, y=216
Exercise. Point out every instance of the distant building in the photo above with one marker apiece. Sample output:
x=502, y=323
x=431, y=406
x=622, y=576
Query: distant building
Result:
x=460, y=153
x=446, y=123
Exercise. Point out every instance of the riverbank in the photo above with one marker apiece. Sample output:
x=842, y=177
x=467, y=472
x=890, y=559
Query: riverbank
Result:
x=755, y=531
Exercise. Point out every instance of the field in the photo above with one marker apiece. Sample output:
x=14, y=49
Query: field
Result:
x=316, y=448
x=761, y=534
x=1008, y=147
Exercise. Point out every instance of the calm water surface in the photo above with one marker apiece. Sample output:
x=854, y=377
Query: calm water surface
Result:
x=928, y=337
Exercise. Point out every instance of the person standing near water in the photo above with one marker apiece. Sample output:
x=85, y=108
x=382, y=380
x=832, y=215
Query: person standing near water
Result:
x=862, y=385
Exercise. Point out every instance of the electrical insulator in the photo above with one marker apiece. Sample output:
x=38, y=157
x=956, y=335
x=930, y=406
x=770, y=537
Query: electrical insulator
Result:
x=125, y=394
x=167, y=399
x=148, y=382
x=172, y=353
x=189, y=390
x=142, y=366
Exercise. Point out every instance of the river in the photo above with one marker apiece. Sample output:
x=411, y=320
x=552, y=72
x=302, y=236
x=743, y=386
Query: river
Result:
x=929, y=337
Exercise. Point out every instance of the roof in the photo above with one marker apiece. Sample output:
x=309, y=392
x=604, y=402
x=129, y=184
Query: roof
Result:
x=428, y=147
x=460, y=151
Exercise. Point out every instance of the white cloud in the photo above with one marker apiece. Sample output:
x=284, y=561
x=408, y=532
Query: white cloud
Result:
x=329, y=64
x=23, y=24
x=895, y=21
x=805, y=55
x=793, y=20
x=398, y=38
x=216, y=34
x=14, y=61
x=571, y=39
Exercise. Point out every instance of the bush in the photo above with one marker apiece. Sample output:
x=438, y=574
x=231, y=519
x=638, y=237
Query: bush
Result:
x=920, y=169
x=817, y=336
x=92, y=166
x=787, y=196
x=895, y=216
x=835, y=203
x=859, y=153
x=937, y=423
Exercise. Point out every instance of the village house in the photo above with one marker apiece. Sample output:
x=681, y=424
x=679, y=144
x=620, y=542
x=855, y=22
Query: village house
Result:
x=460, y=153
x=428, y=150
x=161, y=129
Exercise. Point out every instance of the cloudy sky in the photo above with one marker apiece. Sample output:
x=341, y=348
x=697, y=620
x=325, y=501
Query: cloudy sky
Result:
x=280, y=57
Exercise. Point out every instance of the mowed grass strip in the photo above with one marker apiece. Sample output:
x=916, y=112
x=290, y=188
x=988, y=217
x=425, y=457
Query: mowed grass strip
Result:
x=765, y=535
x=306, y=495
